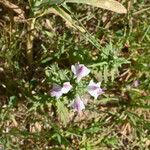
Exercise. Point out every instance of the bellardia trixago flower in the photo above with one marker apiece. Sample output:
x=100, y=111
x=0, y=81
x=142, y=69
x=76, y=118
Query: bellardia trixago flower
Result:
x=80, y=71
x=57, y=91
x=66, y=87
x=94, y=89
x=136, y=83
x=78, y=104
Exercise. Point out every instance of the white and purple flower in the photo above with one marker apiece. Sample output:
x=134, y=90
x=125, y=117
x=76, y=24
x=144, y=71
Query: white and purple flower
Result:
x=78, y=104
x=57, y=91
x=80, y=71
x=94, y=89
x=136, y=83
x=66, y=87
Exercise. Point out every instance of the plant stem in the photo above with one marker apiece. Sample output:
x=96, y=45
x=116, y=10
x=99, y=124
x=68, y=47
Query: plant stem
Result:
x=30, y=38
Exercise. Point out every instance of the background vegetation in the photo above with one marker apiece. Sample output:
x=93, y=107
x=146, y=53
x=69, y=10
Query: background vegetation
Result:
x=38, y=45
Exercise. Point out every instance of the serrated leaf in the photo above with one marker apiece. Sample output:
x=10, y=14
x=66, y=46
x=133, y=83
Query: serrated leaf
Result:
x=105, y=4
x=62, y=112
x=112, y=72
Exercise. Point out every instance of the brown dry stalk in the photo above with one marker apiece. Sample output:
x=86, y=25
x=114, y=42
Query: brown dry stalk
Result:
x=30, y=38
x=30, y=26
x=14, y=7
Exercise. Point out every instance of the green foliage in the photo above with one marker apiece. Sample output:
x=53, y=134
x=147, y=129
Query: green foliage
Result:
x=31, y=119
x=62, y=112
x=109, y=62
x=56, y=75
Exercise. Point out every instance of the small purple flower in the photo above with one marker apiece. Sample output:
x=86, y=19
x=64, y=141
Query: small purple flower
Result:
x=94, y=89
x=136, y=83
x=78, y=104
x=80, y=71
x=56, y=91
x=66, y=87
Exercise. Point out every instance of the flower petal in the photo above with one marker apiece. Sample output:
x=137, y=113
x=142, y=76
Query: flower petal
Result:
x=66, y=87
x=94, y=89
x=73, y=69
x=80, y=71
x=78, y=104
x=93, y=93
x=56, y=91
x=136, y=83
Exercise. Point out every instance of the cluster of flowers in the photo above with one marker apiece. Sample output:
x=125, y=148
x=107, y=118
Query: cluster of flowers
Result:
x=79, y=71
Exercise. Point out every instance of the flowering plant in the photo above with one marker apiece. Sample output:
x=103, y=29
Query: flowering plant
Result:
x=80, y=71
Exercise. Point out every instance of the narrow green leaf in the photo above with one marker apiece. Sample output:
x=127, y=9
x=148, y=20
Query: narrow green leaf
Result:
x=47, y=2
x=69, y=21
x=53, y=2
